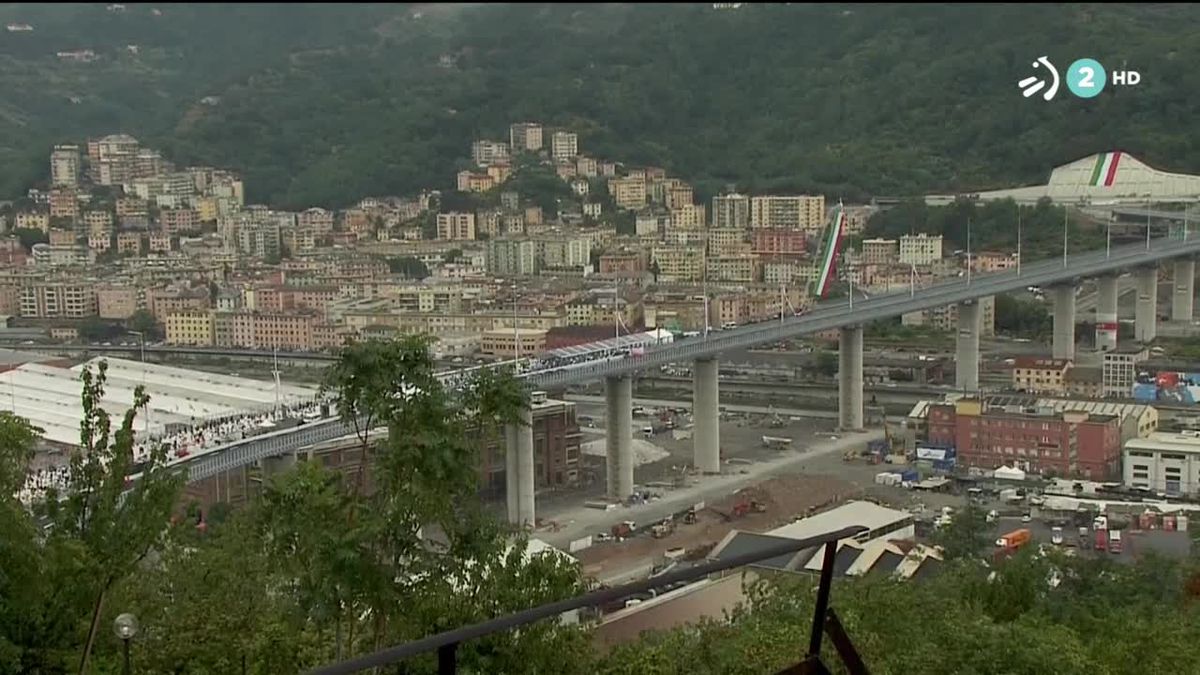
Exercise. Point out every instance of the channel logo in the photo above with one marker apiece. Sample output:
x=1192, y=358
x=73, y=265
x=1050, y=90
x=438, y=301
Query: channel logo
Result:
x=1086, y=78
x=1033, y=84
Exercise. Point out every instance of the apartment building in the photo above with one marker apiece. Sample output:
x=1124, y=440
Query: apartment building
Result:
x=651, y=223
x=556, y=448
x=512, y=257
x=486, y=153
x=49, y=255
x=57, y=299
x=163, y=301
x=731, y=211
x=471, y=181
x=319, y=220
x=65, y=165
x=1166, y=463
x=622, y=263
x=732, y=268
x=920, y=249
x=97, y=222
x=456, y=226
x=678, y=197
x=628, y=193
x=688, y=217
x=564, y=145
x=63, y=237
x=682, y=264
x=190, y=328
x=727, y=242
x=175, y=222
x=945, y=318
x=1119, y=369
x=586, y=167
x=260, y=240
x=525, y=137
x=774, y=242
x=1072, y=443
x=1038, y=375
x=798, y=212
x=129, y=243
x=116, y=302
x=264, y=330
x=32, y=220
x=880, y=251
x=564, y=251
x=512, y=343
x=64, y=202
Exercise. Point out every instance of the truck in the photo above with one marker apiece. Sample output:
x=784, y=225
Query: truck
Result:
x=1015, y=539
x=776, y=441
x=1101, y=540
x=1114, y=541
x=1056, y=536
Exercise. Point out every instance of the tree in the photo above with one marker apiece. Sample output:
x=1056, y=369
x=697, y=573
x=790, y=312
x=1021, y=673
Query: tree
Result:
x=144, y=322
x=966, y=536
x=30, y=237
x=826, y=363
x=1023, y=318
x=408, y=266
x=453, y=255
x=95, y=329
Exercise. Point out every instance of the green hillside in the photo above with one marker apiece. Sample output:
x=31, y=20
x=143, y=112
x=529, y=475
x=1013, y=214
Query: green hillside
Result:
x=324, y=104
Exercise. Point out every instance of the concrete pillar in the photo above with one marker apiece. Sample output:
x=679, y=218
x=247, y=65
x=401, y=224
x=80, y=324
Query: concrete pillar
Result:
x=1146, y=316
x=850, y=379
x=273, y=466
x=1064, y=322
x=1106, y=314
x=618, y=394
x=526, y=482
x=966, y=366
x=1181, y=299
x=706, y=433
x=511, y=489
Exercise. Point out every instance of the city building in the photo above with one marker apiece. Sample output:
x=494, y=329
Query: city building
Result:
x=58, y=299
x=679, y=196
x=319, y=220
x=512, y=257
x=486, y=153
x=1120, y=368
x=190, y=328
x=731, y=211
x=556, y=448
x=1068, y=443
x=800, y=212
x=628, y=192
x=65, y=165
x=456, y=226
x=471, y=181
x=880, y=251
x=1165, y=463
x=769, y=242
x=116, y=302
x=1085, y=381
x=678, y=263
x=688, y=217
x=564, y=145
x=512, y=343
x=525, y=137
x=945, y=317
x=1038, y=375
x=732, y=269
x=993, y=261
x=64, y=202
x=920, y=249
x=260, y=240
x=32, y=220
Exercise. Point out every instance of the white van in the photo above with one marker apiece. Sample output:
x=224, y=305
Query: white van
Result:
x=648, y=432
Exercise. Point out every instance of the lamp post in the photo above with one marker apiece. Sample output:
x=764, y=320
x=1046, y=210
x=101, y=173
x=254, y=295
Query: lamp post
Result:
x=142, y=349
x=126, y=627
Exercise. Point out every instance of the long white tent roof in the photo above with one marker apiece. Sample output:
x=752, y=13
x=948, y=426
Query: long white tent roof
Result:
x=49, y=397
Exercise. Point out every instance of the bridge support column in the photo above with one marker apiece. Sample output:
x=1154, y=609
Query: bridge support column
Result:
x=525, y=469
x=1064, y=322
x=850, y=379
x=966, y=367
x=1185, y=287
x=1106, y=313
x=511, y=475
x=618, y=394
x=1146, y=316
x=706, y=411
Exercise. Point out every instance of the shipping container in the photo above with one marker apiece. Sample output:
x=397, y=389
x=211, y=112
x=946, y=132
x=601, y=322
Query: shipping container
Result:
x=1015, y=539
x=1101, y=540
x=1114, y=541
x=1181, y=523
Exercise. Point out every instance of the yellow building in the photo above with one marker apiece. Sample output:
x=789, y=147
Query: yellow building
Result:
x=509, y=343
x=679, y=263
x=688, y=217
x=456, y=226
x=190, y=329
x=736, y=268
x=797, y=212
x=1037, y=375
x=628, y=192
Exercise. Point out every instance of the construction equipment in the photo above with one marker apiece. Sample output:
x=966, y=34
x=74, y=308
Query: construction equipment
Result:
x=623, y=529
x=662, y=529
x=746, y=506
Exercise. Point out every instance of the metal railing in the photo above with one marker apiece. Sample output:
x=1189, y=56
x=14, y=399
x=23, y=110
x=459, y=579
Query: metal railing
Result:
x=446, y=644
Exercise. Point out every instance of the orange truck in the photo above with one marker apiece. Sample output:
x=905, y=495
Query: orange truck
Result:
x=1015, y=539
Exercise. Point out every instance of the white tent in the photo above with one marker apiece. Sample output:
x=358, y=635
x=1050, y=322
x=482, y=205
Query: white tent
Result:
x=1008, y=473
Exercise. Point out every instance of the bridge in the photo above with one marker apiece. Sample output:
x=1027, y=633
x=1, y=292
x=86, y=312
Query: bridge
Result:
x=1060, y=276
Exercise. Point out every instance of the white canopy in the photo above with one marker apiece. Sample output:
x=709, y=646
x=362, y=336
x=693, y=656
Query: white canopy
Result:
x=1008, y=473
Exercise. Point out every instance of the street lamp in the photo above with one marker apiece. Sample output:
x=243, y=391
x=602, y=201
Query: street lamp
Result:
x=126, y=626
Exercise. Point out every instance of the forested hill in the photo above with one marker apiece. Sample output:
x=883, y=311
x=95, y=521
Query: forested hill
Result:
x=325, y=104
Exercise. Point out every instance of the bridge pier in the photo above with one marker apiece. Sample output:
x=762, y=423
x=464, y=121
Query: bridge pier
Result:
x=1064, y=322
x=618, y=394
x=706, y=412
x=273, y=466
x=511, y=488
x=525, y=468
x=1146, y=316
x=966, y=367
x=1106, y=313
x=1182, y=299
x=850, y=379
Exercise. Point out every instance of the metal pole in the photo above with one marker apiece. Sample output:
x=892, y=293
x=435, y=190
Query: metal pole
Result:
x=1108, y=240
x=126, y=669
x=1147, y=229
x=1064, y=236
x=1018, y=240
x=968, y=251
x=822, y=606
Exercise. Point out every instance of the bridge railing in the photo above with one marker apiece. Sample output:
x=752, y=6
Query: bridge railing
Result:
x=446, y=644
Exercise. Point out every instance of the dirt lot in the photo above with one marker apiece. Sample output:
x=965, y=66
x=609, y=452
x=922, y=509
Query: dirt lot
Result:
x=786, y=498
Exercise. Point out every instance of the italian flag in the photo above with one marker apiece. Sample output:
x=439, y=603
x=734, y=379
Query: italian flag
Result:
x=833, y=247
x=1105, y=171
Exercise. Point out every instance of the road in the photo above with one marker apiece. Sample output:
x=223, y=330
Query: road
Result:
x=730, y=407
